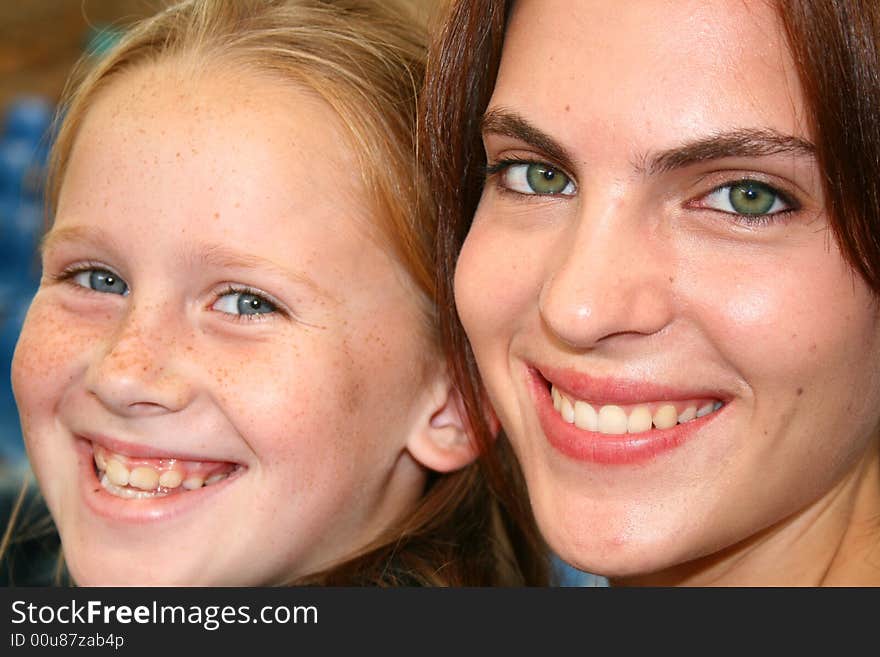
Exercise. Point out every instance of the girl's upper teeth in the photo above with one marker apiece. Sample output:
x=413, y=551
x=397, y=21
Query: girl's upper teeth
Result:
x=137, y=478
x=637, y=418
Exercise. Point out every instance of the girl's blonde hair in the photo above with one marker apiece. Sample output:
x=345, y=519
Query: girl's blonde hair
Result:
x=366, y=59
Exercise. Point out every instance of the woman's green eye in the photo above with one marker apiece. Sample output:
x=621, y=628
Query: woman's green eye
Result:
x=747, y=197
x=536, y=178
x=101, y=280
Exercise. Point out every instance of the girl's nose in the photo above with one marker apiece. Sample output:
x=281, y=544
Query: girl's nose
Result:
x=136, y=370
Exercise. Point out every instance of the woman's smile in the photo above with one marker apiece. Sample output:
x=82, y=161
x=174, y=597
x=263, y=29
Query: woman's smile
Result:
x=666, y=329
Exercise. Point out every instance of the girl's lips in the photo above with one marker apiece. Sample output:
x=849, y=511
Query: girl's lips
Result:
x=138, y=511
x=602, y=448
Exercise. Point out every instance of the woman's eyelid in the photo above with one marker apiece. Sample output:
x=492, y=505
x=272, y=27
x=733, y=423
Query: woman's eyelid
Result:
x=510, y=157
x=702, y=201
x=790, y=191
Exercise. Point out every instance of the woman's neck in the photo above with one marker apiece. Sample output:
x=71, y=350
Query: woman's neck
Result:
x=833, y=542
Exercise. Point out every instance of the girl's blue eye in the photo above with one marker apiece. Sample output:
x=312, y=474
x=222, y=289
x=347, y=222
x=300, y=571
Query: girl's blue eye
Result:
x=101, y=280
x=536, y=178
x=243, y=303
x=747, y=197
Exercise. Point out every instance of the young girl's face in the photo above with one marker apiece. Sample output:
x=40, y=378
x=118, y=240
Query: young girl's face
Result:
x=669, y=334
x=221, y=370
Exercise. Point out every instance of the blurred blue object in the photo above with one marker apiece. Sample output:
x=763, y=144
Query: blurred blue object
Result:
x=28, y=118
x=102, y=38
x=565, y=575
x=24, y=147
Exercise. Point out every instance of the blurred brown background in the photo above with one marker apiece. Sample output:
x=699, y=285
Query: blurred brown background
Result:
x=41, y=40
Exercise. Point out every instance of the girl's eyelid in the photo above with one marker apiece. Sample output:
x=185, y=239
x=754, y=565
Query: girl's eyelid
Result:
x=68, y=273
x=237, y=288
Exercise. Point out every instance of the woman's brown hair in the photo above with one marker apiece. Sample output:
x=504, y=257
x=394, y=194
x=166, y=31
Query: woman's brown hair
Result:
x=835, y=47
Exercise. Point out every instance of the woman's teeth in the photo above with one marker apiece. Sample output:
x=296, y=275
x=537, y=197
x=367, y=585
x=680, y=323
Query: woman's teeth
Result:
x=613, y=419
x=138, y=479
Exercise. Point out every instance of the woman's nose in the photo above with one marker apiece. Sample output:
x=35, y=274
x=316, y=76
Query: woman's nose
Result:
x=610, y=276
x=136, y=370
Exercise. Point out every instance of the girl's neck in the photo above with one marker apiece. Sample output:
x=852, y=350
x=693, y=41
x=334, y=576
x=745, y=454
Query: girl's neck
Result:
x=833, y=542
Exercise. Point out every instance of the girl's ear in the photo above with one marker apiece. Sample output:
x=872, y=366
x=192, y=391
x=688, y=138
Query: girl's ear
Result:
x=440, y=440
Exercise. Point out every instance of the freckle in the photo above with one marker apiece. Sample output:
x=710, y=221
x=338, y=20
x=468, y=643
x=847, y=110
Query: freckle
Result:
x=800, y=391
x=672, y=279
x=177, y=154
x=765, y=432
x=793, y=336
x=813, y=348
x=568, y=108
x=216, y=215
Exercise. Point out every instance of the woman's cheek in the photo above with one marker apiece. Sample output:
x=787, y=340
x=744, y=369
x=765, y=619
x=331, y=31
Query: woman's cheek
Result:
x=496, y=282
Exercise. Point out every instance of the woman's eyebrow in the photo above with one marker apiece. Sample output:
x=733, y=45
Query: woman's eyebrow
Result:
x=732, y=143
x=500, y=121
x=744, y=142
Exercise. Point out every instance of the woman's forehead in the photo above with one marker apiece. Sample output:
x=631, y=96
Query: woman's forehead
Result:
x=652, y=73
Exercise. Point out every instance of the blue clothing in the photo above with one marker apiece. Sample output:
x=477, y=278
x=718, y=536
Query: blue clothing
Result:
x=566, y=575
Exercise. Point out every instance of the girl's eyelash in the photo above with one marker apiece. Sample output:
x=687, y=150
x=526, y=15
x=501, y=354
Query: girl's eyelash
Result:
x=243, y=289
x=67, y=274
x=71, y=271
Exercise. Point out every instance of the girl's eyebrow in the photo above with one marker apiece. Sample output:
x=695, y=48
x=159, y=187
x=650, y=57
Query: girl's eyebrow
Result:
x=743, y=142
x=74, y=234
x=214, y=255
x=225, y=258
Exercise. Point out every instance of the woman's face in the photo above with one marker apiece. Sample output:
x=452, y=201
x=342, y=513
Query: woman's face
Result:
x=665, y=325
x=222, y=369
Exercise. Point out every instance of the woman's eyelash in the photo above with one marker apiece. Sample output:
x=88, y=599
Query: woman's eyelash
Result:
x=527, y=177
x=501, y=165
x=749, y=201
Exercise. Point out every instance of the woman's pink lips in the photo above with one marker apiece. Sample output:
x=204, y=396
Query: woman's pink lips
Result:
x=616, y=391
x=608, y=449
x=138, y=511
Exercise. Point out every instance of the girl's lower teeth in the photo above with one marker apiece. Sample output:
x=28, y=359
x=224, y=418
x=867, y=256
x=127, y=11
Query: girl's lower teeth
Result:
x=131, y=493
